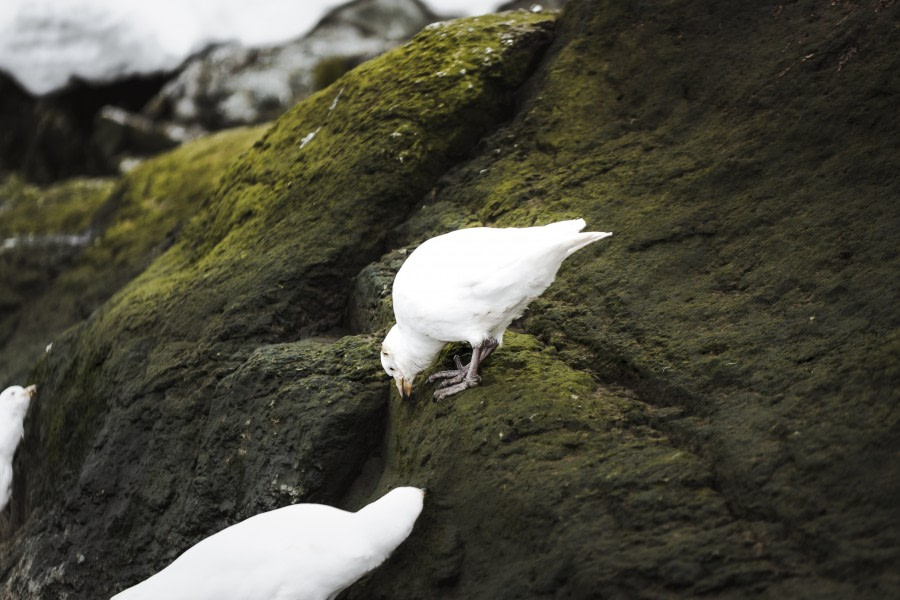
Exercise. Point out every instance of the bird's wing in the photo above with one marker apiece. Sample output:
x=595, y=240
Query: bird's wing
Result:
x=479, y=277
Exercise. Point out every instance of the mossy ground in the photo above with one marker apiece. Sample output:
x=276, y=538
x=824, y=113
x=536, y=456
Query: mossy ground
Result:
x=65, y=208
x=42, y=231
x=701, y=405
x=127, y=223
x=155, y=377
x=748, y=172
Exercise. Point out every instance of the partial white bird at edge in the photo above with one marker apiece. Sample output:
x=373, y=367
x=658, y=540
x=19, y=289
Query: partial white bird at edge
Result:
x=299, y=552
x=14, y=403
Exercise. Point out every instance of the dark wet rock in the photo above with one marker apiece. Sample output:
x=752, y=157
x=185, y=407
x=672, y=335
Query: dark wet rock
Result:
x=40, y=140
x=121, y=136
x=52, y=137
x=235, y=85
x=369, y=307
x=16, y=121
x=184, y=362
x=703, y=407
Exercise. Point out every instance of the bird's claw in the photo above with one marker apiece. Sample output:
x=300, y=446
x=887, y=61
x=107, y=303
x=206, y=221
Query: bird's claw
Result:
x=453, y=381
x=457, y=380
x=445, y=391
x=463, y=376
x=451, y=376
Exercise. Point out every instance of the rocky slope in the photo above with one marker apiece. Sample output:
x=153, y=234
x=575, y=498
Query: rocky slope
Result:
x=703, y=405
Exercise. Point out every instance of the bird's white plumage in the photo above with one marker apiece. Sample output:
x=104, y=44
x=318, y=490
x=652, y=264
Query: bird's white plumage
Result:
x=469, y=285
x=299, y=552
x=14, y=402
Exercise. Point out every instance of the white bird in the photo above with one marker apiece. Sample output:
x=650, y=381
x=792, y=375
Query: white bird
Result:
x=468, y=286
x=299, y=552
x=14, y=403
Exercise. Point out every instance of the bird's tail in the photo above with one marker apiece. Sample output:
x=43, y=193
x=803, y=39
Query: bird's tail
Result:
x=578, y=240
x=588, y=237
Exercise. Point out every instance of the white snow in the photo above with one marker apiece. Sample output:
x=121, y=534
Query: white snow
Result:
x=43, y=43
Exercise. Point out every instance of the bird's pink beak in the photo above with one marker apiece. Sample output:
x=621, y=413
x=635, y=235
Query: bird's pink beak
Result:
x=31, y=390
x=404, y=387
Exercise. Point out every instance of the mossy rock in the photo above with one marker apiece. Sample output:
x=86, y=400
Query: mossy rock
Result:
x=60, y=209
x=268, y=258
x=542, y=483
x=43, y=230
x=81, y=240
x=294, y=422
x=666, y=421
x=747, y=292
x=749, y=285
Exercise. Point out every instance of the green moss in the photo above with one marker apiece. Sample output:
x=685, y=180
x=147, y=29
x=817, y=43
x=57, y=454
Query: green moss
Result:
x=270, y=251
x=63, y=208
x=42, y=231
x=164, y=191
x=352, y=158
x=39, y=226
x=749, y=180
x=130, y=221
x=575, y=464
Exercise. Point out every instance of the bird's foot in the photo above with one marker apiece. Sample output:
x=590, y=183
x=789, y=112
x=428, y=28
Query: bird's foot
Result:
x=451, y=376
x=444, y=391
x=463, y=376
x=454, y=380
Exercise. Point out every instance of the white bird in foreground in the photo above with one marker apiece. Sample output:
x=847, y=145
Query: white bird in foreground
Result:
x=468, y=286
x=299, y=552
x=14, y=403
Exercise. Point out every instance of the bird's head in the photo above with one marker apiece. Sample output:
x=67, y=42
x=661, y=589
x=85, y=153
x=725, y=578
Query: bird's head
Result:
x=18, y=395
x=398, y=361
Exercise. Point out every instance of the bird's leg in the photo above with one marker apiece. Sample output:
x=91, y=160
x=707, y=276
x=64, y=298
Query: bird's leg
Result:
x=464, y=376
x=487, y=347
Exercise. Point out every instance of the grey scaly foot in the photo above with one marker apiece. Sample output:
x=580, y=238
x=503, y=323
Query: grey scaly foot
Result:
x=464, y=376
x=445, y=392
x=452, y=376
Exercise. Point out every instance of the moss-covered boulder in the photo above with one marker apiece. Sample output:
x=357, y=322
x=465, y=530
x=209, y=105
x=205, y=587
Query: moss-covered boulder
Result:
x=141, y=387
x=68, y=247
x=746, y=159
x=704, y=405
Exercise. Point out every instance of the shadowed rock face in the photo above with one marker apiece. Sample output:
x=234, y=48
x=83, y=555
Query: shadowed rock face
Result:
x=704, y=405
